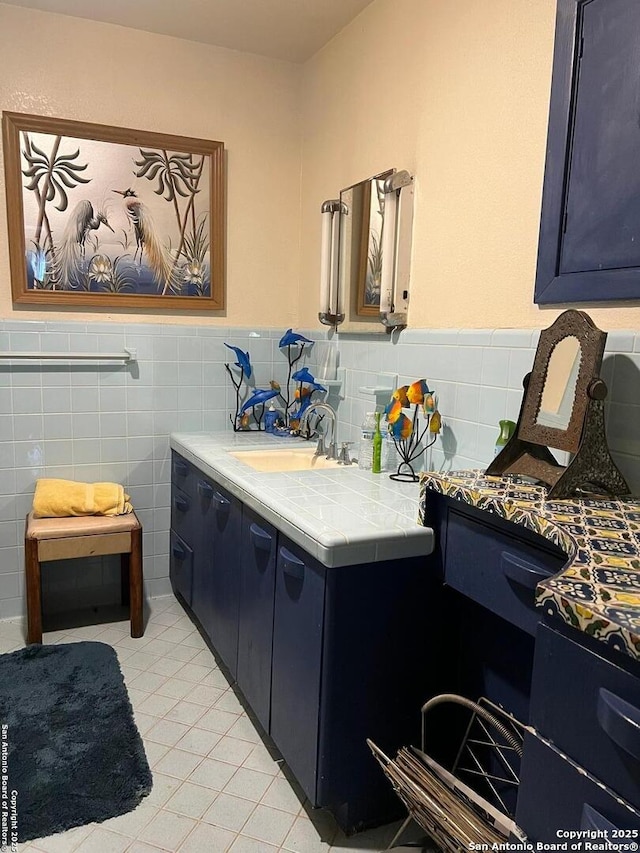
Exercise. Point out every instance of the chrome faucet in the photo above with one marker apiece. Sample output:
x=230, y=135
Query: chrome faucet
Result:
x=320, y=406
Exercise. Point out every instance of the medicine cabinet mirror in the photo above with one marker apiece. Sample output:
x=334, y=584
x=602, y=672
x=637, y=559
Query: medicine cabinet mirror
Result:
x=366, y=249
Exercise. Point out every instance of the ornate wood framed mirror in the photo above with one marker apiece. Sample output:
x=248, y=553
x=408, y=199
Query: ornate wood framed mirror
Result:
x=563, y=408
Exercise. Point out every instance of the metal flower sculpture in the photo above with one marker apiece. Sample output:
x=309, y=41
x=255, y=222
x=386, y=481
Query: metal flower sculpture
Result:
x=292, y=401
x=408, y=436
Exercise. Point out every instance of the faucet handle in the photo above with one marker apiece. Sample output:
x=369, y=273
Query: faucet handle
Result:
x=332, y=453
x=345, y=459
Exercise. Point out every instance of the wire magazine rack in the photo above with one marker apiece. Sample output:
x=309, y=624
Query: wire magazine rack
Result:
x=468, y=804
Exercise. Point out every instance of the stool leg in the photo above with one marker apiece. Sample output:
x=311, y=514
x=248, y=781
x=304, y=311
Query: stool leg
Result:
x=34, y=591
x=135, y=583
x=124, y=579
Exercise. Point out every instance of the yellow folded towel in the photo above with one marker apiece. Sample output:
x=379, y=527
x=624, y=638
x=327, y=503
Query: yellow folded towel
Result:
x=62, y=498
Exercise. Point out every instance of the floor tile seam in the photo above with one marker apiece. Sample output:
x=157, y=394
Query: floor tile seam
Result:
x=235, y=831
x=191, y=772
x=171, y=849
x=184, y=698
x=183, y=845
x=121, y=832
x=167, y=807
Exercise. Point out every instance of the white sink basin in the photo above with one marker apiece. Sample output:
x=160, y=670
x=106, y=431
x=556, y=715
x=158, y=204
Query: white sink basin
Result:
x=285, y=459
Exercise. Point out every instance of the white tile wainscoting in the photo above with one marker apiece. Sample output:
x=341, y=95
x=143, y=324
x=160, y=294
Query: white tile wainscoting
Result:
x=112, y=422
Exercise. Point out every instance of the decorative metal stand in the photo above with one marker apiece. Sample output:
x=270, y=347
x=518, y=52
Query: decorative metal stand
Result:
x=410, y=449
x=250, y=410
x=405, y=432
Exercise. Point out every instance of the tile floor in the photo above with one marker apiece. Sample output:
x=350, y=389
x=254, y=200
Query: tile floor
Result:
x=216, y=786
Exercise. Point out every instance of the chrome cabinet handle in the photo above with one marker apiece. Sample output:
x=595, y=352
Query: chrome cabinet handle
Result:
x=260, y=538
x=620, y=720
x=291, y=565
x=521, y=572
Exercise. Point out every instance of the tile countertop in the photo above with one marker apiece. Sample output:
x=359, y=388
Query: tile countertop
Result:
x=598, y=591
x=341, y=516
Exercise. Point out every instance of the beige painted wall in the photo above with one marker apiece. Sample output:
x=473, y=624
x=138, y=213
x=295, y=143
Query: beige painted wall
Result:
x=75, y=69
x=458, y=93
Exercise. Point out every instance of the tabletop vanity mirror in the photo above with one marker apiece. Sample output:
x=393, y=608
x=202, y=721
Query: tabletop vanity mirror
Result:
x=563, y=408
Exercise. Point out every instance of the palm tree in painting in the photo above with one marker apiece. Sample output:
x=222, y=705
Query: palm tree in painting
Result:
x=177, y=176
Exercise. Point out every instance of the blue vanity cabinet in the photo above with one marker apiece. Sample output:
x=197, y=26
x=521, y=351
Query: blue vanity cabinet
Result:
x=205, y=521
x=490, y=568
x=326, y=658
x=355, y=655
x=585, y=700
x=556, y=794
x=297, y=660
x=181, y=567
x=216, y=582
x=255, y=618
x=386, y=649
x=182, y=534
x=580, y=697
x=500, y=571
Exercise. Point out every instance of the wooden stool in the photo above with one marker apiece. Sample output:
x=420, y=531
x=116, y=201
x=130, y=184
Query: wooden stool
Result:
x=87, y=536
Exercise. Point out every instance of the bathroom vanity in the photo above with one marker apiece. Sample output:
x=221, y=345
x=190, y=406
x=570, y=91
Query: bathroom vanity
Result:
x=550, y=592
x=338, y=617
x=327, y=631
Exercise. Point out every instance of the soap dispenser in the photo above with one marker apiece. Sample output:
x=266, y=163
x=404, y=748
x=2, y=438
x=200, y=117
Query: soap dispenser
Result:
x=270, y=419
x=376, y=464
x=507, y=428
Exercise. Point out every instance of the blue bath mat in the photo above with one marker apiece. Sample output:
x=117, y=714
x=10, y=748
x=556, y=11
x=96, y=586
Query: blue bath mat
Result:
x=69, y=746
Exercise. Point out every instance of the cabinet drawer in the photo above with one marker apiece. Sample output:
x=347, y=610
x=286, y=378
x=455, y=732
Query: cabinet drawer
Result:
x=555, y=795
x=590, y=709
x=181, y=514
x=497, y=570
x=181, y=567
x=183, y=474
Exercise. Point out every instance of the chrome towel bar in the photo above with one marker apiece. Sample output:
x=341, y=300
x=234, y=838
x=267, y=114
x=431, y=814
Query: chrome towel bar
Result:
x=129, y=355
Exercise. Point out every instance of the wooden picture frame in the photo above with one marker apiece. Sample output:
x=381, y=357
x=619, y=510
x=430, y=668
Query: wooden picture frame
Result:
x=102, y=216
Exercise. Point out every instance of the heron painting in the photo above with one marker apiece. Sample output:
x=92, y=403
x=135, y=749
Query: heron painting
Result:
x=110, y=216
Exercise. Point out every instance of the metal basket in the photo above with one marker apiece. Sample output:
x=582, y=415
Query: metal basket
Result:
x=467, y=804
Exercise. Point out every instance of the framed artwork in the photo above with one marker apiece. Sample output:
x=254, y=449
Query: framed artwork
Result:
x=114, y=217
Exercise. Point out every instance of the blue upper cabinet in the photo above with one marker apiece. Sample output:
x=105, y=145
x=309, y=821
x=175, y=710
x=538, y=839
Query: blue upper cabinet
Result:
x=589, y=247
